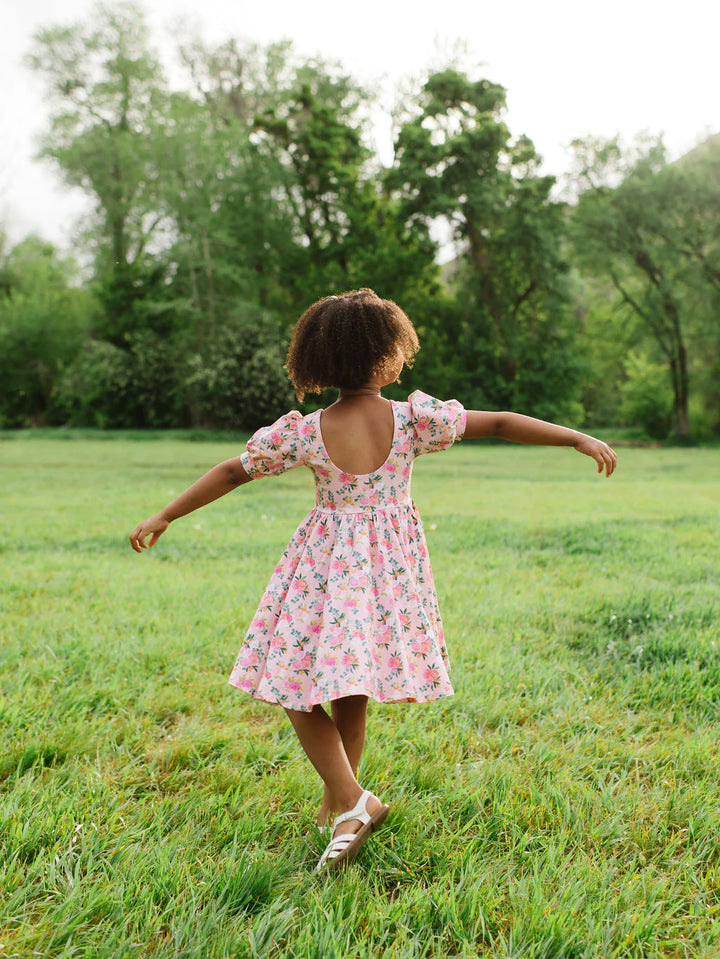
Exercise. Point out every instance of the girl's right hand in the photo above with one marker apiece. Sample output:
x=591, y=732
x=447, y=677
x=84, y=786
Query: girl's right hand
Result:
x=156, y=526
x=604, y=455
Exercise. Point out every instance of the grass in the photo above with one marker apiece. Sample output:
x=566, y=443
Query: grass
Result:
x=563, y=804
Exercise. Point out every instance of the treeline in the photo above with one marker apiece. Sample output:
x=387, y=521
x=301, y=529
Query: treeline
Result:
x=227, y=203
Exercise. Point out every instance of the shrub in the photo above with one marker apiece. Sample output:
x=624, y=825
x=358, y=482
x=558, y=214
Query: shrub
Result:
x=108, y=387
x=646, y=396
x=239, y=383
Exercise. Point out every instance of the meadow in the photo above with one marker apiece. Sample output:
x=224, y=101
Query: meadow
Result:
x=563, y=804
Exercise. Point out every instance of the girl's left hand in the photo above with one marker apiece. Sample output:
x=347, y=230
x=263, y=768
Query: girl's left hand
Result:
x=156, y=526
x=604, y=456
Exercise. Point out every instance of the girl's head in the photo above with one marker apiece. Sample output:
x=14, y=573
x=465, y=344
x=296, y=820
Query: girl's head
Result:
x=344, y=341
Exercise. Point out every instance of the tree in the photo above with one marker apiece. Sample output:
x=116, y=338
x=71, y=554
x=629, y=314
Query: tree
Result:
x=652, y=229
x=110, y=100
x=44, y=317
x=511, y=333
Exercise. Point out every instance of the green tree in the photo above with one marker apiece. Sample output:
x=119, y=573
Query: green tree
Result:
x=510, y=333
x=110, y=106
x=651, y=228
x=44, y=317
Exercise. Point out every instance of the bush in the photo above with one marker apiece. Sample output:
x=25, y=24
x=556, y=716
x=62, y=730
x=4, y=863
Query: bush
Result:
x=646, y=396
x=240, y=382
x=94, y=389
x=109, y=387
x=43, y=322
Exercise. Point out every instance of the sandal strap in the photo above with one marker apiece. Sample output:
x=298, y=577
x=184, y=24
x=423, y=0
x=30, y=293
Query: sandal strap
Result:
x=359, y=812
x=336, y=846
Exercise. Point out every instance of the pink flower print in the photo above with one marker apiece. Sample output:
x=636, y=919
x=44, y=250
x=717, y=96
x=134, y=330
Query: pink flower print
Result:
x=359, y=582
x=294, y=685
x=348, y=478
x=278, y=643
x=385, y=637
x=421, y=646
x=307, y=429
x=315, y=628
x=285, y=617
x=394, y=662
x=349, y=660
x=303, y=662
x=340, y=566
x=321, y=471
x=309, y=561
x=404, y=620
x=391, y=468
x=422, y=424
x=328, y=660
x=246, y=684
x=350, y=603
x=301, y=586
x=260, y=624
x=431, y=675
x=397, y=590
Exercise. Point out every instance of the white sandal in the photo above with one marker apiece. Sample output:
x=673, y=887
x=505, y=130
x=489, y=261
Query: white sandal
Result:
x=344, y=848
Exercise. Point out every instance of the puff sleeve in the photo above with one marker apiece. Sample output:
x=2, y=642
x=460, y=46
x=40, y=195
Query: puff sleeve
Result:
x=437, y=424
x=274, y=449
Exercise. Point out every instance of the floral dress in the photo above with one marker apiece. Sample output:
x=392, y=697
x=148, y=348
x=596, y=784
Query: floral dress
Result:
x=351, y=607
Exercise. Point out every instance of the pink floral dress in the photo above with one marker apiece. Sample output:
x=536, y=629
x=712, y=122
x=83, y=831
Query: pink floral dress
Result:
x=351, y=607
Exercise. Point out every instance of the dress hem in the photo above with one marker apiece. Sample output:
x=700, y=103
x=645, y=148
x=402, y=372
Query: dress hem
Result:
x=341, y=695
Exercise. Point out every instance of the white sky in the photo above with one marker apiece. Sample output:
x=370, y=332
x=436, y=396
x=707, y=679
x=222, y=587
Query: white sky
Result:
x=571, y=68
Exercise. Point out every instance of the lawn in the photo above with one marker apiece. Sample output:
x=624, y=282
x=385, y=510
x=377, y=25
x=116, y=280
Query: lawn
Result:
x=564, y=803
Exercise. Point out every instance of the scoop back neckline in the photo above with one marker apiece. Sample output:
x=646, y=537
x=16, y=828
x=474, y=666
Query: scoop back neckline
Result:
x=348, y=472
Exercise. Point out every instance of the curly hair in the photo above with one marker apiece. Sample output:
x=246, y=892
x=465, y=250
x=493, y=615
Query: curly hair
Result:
x=341, y=341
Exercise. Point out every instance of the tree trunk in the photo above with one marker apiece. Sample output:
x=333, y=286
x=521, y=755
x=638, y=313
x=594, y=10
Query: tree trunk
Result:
x=210, y=285
x=680, y=410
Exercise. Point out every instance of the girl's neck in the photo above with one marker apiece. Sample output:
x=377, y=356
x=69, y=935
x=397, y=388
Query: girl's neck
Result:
x=360, y=391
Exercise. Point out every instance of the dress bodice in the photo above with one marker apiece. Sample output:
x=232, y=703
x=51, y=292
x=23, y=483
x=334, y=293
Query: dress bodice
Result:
x=423, y=424
x=384, y=488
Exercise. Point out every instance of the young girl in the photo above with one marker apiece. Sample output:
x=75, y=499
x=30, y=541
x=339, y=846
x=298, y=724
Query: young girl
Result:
x=350, y=611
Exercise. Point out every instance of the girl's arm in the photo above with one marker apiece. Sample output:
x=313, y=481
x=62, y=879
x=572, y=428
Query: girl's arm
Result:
x=214, y=484
x=525, y=429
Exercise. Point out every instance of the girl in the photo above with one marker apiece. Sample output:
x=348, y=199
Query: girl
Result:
x=350, y=611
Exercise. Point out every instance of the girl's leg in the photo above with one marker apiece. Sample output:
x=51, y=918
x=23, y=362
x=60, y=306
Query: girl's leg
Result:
x=322, y=742
x=349, y=715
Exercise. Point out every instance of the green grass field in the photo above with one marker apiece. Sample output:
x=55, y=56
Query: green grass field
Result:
x=564, y=803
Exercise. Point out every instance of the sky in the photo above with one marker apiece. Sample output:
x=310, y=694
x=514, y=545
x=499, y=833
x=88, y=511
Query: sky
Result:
x=571, y=68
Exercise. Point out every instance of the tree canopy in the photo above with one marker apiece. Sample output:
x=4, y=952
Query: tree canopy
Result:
x=225, y=202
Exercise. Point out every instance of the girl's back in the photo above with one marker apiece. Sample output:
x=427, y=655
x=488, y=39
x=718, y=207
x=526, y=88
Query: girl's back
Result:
x=358, y=433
